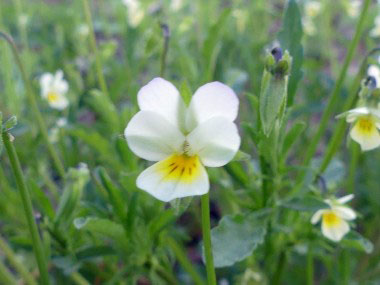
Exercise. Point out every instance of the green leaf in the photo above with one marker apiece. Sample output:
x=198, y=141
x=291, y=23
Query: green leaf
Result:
x=103, y=227
x=236, y=237
x=92, y=252
x=357, y=241
x=291, y=137
x=10, y=123
x=241, y=156
x=290, y=38
x=161, y=221
x=76, y=179
x=306, y=204
x=1, y=132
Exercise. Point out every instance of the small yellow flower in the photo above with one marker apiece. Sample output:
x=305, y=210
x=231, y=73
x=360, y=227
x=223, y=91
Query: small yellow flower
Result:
x=334, y=219
x=366, y=124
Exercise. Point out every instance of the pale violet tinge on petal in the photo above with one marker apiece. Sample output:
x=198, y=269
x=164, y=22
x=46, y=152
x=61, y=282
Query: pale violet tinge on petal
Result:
x=335, y=232
x=213, y=99
x=162, y=97
x=216, y=141
x=152, y=137
x=158, y=181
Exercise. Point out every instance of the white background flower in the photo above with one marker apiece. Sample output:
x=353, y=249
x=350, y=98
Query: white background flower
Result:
x=374, y=71
x=334, y=219
x=54, y=89
x=183, y=140
x=135, y=12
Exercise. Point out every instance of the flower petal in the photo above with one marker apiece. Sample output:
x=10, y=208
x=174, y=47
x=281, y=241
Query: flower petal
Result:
x=216, y=141
x=152, y=137
x=161, y=97
x=60, y=104
x=368, y=138
x=317, y=216
x=212, y=100
x=337, y=231
x=345, y=199
x=45, y=82
x=344, y=212
x=163, y=183
x=59, y=84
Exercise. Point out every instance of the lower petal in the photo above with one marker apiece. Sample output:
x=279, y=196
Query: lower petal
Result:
x=177, y=176
x=336, y=231
x=366, y=134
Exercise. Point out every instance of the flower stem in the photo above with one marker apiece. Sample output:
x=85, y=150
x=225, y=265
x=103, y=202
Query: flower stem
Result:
x=5, y=275
x=27, y=204
x=310, y=266
x=184, y=261
x=33, y=104
x=333, y=100
x=205, y=204
x=98, y=60
x=355, y=154
x=8, y=252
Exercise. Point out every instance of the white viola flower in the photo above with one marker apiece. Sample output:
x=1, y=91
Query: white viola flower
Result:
x=366, y=124
x=309, y=27
x=83, y=30
x=374, y=71
x=182, y=140
x=176, y=5
x=312, y=8
x=135, y=12
x=375, y=32
x=54, y=89
x=334, y=219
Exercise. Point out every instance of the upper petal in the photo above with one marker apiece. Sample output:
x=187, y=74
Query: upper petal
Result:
x=345, y=212
x=161, y=97
x=45, y=82
x=166, y=184
x=213, y=99
x=60, y=85
x=345, y=199
x=216, y=141
x=152, y=137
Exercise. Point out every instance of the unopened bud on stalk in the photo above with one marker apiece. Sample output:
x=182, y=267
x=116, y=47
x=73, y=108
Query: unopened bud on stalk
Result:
x=274, y=85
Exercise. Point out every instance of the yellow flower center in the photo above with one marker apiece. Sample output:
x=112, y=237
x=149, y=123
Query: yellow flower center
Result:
x=52, y=96
x=366, y=125
x=331, y=219
x=180, y=167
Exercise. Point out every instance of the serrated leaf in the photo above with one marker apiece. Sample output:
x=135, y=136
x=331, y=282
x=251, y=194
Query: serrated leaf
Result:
x=306, y=204
x=357, y=241
x=236, y=237
x=290, y=38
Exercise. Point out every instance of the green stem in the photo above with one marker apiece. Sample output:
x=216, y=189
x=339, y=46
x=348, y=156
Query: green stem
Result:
x=310, y=266
x=333, y=100
x=33, y=104
x=8, y=252
x=27, y=205
x=355, y=154
x=205, y=204
x=79, y=279
x=98, y=60
x=184, y=261
x=6, y=276
x=279, y=269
